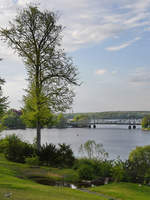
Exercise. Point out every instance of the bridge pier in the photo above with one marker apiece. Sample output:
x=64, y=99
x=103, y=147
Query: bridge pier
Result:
x=94, y=126
x=134, y=126
x=129, y=127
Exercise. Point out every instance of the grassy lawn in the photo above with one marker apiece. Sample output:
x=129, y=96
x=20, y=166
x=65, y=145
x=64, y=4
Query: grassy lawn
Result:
x=14, y=179
x=24, y=189
x=125, y=191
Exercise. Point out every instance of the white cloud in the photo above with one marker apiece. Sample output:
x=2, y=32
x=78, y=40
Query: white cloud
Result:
x=122, y=46
x=101, y=71
x=88, y=22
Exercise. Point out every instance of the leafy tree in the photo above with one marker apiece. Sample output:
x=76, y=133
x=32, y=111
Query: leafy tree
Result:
x=140, y=162
x=65, y=155
x=36, y=37
x=31, y=111
x=17, y=150
x=61, y=121
x=12, y=120
x=80, y=120
x=146, y=122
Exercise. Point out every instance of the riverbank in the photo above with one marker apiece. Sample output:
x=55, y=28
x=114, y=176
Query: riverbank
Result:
x=145, y=129
x=15, y=185
x=117, y=141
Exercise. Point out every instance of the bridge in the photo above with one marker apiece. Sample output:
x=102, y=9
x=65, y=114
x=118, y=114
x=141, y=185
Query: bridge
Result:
x=131, y=123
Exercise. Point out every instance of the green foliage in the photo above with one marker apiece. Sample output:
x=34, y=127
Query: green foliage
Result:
x=146, y=122
x=56, y=157
x=61, y=121
x=111, y=115
x=91, y=150
x=3, y=145
x=17, y=150
x=139, y=162
x=80, y=117
x=48, y=155
x=65, y=156
x=32, y=111
x=86, y=172
x=117, y=170
x=80, y=120
x=12, y=120
x=93, y=169
x=34, y=160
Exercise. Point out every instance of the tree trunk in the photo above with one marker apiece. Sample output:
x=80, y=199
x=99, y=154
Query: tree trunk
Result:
x=38, y=132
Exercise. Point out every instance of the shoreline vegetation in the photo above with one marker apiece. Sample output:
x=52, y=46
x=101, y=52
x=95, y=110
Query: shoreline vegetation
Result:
x=22, y=181
x=14, y=187
x=13, y=119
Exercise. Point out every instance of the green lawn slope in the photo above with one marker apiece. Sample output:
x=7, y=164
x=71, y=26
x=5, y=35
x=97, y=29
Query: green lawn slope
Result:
x=24, y=189
x=16, y=185
x=125, y=191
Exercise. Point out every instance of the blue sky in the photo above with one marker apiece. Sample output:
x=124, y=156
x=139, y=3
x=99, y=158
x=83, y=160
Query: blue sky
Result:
x=109, y=43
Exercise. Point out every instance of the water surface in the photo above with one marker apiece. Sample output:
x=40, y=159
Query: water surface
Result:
x=117, y=140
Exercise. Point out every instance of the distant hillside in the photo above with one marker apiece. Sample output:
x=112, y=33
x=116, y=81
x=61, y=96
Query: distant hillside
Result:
x=112, y=115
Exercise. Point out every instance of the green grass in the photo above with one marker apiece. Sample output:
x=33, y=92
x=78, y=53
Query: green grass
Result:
x=14, y=178
x=125, y=191
x=24, y=189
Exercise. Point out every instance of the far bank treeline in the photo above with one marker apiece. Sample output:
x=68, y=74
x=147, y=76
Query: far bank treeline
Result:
x=13, y=119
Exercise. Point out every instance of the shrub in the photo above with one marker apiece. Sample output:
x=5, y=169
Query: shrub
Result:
x=118, y=171
x=17, y=150
x=86, y=172
x=97, y=169
x=3, y=145
x=139, y=163
x=56, y=157
x=48, y=155
x=32, y=160
x=65, y=156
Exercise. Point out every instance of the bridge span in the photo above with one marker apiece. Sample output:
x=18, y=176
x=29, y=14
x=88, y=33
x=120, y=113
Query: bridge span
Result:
x=93, y=123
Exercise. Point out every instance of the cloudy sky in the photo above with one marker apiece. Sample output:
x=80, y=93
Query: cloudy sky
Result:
x=109, y=41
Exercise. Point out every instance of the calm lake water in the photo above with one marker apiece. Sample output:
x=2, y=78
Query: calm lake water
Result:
x=117, y=140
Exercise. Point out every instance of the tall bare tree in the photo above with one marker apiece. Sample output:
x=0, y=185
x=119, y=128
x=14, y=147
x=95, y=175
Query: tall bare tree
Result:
x=36, y=37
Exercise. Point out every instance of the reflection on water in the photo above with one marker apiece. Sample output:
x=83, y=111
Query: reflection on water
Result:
x=117, y=140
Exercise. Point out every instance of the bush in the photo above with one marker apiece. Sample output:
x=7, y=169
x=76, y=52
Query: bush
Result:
x=65, y=156
x=32, y=160
x=93, y=169
x=56, y=157
x=48, y=155
x=17, y=150
x=86, y=172
x=139, y=163
x=118, y=172
x=3, y=145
